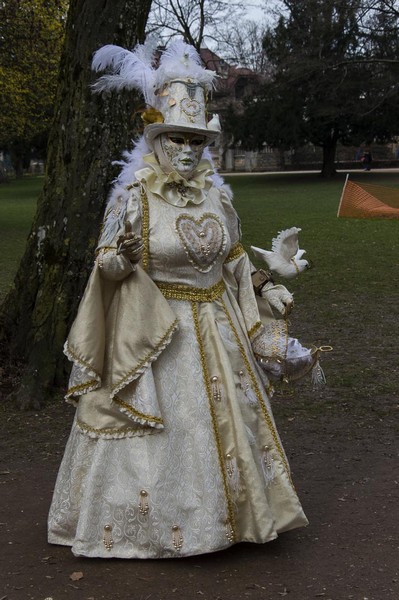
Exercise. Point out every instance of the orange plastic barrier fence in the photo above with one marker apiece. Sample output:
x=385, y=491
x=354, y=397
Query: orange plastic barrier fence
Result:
x=368, y=201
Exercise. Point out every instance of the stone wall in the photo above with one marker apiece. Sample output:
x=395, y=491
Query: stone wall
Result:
x=307, y=157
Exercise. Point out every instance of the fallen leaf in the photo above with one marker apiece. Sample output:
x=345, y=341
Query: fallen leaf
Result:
x=76, y=575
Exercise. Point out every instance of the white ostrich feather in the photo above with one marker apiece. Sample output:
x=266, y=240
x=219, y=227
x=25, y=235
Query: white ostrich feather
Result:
x=285, y=258
x=132, y=162
x=127, y=69
x=117, y=200
x=134, y=69
x=108, y=56
x=217, y=179
x=182, y=52
x=182, y=60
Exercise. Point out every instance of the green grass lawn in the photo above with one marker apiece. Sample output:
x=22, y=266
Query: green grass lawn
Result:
x=359, y=254
x=349, y=299
x=17, y=208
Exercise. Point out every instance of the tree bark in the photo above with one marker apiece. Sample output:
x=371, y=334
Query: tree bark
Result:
x=88, y=133
x=329, y=152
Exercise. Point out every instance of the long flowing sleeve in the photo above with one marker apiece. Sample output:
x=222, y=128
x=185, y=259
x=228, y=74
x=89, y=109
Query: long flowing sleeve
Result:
x=113, y=266
x=123, y=324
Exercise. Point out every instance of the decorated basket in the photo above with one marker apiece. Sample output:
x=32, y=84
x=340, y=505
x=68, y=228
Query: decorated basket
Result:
x=284, y=359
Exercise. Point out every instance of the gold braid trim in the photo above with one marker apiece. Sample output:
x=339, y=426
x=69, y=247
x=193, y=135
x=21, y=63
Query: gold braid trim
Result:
x=72, y=356
x=258, y=393
x=254, y=329
x=130, y=376
x=80, y=388
x=279, y=330
x=145, y=228
x=136, y=413
x=236, y=251
x=207, y=379
x=115, y=431
x=177, y=291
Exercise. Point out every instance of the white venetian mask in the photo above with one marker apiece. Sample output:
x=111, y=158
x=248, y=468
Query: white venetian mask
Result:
x=179, y=151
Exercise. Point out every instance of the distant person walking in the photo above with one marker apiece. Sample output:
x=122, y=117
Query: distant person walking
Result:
x=366, y=160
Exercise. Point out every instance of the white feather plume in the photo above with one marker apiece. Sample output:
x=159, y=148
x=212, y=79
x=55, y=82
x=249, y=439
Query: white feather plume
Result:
x=108, y=56
x=127, y=69
x=134, y=69
x=182, y=60
x=132, y=162
x=217, y=179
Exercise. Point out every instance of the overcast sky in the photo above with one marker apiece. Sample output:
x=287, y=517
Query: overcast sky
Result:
x=256, y=8
x=253, y=12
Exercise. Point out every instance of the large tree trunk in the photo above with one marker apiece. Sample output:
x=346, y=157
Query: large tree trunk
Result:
x=329, y=152
x=88, y=133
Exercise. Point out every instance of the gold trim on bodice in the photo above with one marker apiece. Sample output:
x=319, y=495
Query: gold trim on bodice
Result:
x=236, y=251
x=145, y=228
x=177, y=291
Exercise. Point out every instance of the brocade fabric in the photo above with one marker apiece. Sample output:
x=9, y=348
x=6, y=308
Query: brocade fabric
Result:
x=182, y=457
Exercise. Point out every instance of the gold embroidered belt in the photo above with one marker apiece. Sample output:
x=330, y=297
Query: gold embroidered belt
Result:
x=177, y=291
x=236, y=251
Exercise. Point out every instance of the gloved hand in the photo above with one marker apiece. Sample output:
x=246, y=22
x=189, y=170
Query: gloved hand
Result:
x=130, y=244
x=279, y=298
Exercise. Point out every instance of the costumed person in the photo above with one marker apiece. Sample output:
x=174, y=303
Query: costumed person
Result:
x=174, y=450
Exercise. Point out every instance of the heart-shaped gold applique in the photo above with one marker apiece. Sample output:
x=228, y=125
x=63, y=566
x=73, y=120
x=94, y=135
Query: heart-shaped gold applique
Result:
x=203, y=239
x=191, y=107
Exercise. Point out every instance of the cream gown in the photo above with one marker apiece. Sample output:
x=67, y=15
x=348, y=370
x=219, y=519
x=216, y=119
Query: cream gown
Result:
x=174, y=450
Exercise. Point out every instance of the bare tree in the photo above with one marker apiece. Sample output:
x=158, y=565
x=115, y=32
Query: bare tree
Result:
x=199, y=22
x=389, y=7
x=243, y=45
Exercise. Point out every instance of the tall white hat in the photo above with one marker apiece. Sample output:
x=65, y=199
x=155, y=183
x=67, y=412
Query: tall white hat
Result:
x=176, y=92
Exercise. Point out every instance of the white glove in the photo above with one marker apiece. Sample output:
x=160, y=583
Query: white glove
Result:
x=279, y=298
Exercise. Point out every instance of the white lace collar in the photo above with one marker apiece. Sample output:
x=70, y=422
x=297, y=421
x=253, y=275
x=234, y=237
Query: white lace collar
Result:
x=172, y=187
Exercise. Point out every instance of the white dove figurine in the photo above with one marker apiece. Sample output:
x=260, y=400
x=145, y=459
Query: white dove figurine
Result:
x=285, y=258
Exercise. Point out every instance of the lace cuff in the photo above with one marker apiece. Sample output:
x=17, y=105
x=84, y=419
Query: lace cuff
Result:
x=113, y=266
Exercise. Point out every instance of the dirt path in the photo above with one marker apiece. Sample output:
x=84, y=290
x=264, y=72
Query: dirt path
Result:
x=344, y=462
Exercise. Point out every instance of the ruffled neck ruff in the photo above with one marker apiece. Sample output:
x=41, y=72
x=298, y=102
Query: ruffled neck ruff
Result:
x=172, y=187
